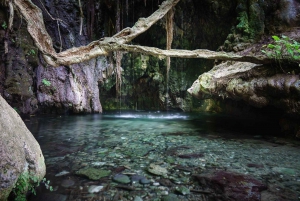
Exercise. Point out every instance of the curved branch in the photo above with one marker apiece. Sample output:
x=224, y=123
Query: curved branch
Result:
x=43, y=41
x=35, y=25
x=200, y=54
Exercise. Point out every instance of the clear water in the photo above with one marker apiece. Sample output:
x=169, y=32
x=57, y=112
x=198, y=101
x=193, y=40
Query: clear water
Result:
x=129, y=142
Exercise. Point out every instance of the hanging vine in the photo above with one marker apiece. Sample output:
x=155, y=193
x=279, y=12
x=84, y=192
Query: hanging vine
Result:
x=118, y=54
x=169, y=29
x=81, y=17
x=90, y=17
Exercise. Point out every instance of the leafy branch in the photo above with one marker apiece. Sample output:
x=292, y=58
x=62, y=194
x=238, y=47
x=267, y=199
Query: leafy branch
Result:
x=27, y=182
x=283, y=48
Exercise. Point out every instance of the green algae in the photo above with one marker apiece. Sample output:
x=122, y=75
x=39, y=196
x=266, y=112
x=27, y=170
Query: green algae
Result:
x=93, y=173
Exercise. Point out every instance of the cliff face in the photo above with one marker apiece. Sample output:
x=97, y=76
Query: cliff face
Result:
x=259, y=86
x=30, y=86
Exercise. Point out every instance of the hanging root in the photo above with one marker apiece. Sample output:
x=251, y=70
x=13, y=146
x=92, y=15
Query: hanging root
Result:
x=81, y=17
x=118, y=56
x=169, y=29
x=11, y=15
x=10, y=24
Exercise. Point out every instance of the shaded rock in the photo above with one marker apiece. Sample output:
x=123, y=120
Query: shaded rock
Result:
x=166, y=182
x=191, y=155
x=255, y=165
x=19, y=151
x=232, y=186
x=170, y=197
x=93, y=173
x=125, y=187
x=121, y=178
x=67, y=183
x=137, y=178
x=145, y=181
x=49, y=197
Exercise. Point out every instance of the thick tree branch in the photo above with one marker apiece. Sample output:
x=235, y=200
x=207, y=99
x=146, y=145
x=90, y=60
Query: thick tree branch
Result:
x=200, y=53
x=43, y=41
x=35, y=25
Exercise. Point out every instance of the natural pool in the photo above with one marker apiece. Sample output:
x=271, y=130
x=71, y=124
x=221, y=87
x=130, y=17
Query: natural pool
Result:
x=165, y=156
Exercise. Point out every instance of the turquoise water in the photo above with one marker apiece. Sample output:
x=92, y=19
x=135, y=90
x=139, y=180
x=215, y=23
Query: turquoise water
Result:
x=128, y=143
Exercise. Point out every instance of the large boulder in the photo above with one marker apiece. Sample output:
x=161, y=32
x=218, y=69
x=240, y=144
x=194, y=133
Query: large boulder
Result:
x=19, y=151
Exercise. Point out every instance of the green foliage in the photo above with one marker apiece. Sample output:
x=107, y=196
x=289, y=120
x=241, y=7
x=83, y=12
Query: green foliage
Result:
x=16, y=109
x=4, y=25
x=243, y=22
x=46, y=82
x=27, y=182
x=31, y=52
x=283, y=48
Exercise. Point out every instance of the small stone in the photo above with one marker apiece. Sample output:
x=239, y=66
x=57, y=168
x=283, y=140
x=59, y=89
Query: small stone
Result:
x=157, y=170
x=155, y=184
x=183, y=190
x=95, y=189
x=170, y=197
x=64, y=172
x=145, y=181
x=164, y=192
x=67, y=183
x=137, y=178
x=98, y=163
x=121, y=178
x=138, y=198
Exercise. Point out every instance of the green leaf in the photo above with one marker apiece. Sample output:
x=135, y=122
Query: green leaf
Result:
x=285, y=37
x=291, y=52
x=271, y=46
x=46, y=82
x=276, y=38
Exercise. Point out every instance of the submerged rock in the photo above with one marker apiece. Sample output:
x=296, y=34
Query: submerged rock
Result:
x=121, y=178
x=67, y=183
x=183, y=190
x=138, y=198
x=232, y=186
x=157, y=170
x=93, y=173
x=170, y=197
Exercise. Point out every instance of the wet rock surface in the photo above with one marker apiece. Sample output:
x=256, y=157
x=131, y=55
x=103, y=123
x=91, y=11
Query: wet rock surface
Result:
x=232, y=165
